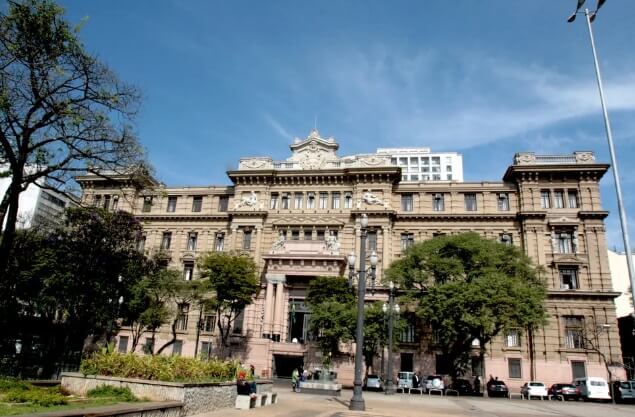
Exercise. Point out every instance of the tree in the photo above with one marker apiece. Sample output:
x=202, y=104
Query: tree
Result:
x=376, y=331
x=62, y=111
x=234, y=280
x=467, y=287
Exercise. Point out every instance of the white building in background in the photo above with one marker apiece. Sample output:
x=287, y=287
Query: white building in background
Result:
x=37, y=206
x=420, y=164
x=621, y=283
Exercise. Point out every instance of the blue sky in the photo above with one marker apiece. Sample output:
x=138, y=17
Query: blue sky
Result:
x=226, y=79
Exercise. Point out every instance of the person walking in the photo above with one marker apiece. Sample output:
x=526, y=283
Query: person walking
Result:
x=295, y=380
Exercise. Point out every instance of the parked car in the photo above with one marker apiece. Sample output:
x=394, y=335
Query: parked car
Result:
x=534, y=389
x=567, y=391
x=434, y=382
x=624, y=391
x=374, y=382
x=593, y=388
x=404, y=380
x=496, y=388
x=462, y=386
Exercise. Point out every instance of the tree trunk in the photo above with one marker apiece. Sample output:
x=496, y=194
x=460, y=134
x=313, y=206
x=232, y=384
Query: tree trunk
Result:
x=4, y=205
x=532, y=356
x=8, y=236
x=171, y=341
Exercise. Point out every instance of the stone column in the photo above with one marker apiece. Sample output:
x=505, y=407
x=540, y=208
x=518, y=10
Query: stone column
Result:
x=279, y=311
x=269, y=296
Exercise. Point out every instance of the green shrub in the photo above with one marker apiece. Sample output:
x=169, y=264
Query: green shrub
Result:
x=43, y=397
x=121, y=394
x=161, y=368
x=7, y=384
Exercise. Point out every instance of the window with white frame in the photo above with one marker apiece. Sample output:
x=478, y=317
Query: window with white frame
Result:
x=166, y=240
x=197, y=204
x=172, y=199
x=564, y=242
x=310, y=200
x=407, y=240
x=324, y=200
x=558, y=199
x=285, y=201
x=348, y=200
x=298, y=197
x=123, y=344
x=573, y=198
x=335, y=200
x=246, y=239
x=192, y=240
x=568, y=278
x=437, y=202
x=470, y=201
x=503, y=202
x=574, y=332
x=219, y=242
x=512, y=338
x=208, y=323
x=371, y=241
x=274, y=201
x=183, y=310
x=406, y=202
x=188, y=270
x=545, y=199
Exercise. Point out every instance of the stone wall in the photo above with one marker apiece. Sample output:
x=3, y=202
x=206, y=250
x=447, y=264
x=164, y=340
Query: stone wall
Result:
x=164, y=409
x=196, y=397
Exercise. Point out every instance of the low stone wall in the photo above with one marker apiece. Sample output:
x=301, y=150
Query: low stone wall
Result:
x=164, y=409
x=196, y=397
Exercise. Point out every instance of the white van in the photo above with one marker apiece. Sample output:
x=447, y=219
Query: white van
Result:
x=593, y=388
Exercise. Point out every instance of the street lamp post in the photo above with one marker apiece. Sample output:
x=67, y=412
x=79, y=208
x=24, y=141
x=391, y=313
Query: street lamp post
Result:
x=357, y=402
x=390, y=309
x=590, y=17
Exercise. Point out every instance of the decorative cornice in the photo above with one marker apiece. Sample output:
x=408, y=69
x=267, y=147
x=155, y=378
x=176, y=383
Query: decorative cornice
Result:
x=182, y=217
x=456, y=216
x=583, y=294
x=595, y=214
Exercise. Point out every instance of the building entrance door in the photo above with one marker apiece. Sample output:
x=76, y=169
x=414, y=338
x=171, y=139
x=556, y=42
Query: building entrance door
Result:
x=284, y=365
x=407, y=362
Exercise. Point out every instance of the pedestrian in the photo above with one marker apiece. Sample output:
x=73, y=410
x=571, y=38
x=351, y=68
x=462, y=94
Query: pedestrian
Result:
x=252, y=370
x=416, y=379
x=477, y=384
x=295, y=380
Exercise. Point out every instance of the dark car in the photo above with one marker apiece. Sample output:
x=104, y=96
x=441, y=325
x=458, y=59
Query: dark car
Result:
x=497, y=388
x=624, y=391
x=462, y=386
x=567, y=391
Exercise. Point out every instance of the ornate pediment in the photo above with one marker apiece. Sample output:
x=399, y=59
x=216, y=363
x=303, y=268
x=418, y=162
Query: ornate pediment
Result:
x=314, y=152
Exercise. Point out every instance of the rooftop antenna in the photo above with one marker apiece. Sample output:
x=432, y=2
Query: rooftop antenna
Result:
x=315, y=123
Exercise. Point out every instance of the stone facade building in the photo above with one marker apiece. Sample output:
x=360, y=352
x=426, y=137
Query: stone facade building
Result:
x=299, y=218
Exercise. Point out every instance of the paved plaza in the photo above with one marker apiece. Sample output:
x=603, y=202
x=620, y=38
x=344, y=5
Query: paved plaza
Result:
x=403, y=405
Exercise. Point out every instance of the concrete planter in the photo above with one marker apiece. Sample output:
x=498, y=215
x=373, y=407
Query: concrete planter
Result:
x=196, y=397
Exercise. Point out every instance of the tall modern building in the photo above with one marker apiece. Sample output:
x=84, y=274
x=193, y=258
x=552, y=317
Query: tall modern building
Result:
x=298, y=218
x=420, y=164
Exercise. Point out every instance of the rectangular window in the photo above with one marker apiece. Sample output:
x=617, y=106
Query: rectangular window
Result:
x=219, y=243
x=274, y=201
x=298, y=201
x=182, y=316
x=285, y=201
x=515, y=368
x=206, y=350
x=123, y=344
x=573, y=332
x=503, y=202
x=97, y=201
x=141, y=243
x=188, y=270
x=564, y=241
x=573, y=198
x=166, y=240
x=437, y=202
x=177, y=347
x=171, y=204
x=335, y=200
x=578, y=369
x=569, y=278
x=408, y=334
x=106, y=202
x=348, y=200
x=147, y=204
x=371, y=241
x=448, y=168
x=246, y=239
x=449, y=177
x=558, y=199
x=545, y=199
x=148, y=346
x=310, y=201
x=238, y=323
x=197, y=204
x=407, y=240
x=192, y=238
x=208, y=323
x=223, y=203
x=506, y=239
x=470, y=201
x=320, y=235
x=324, y=200
x=295, y=235
x=513, y=338
x=115, y=203
x=406, y=202
x=308, y=235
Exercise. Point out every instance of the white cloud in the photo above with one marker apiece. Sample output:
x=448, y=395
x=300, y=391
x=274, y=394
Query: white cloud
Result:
x=277, y=127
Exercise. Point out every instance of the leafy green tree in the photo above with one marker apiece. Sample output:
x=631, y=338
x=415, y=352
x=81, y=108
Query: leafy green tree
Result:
x=468, y=287
x=62, y=111
x=333, y=316
x=376, y=331
x=234, y=280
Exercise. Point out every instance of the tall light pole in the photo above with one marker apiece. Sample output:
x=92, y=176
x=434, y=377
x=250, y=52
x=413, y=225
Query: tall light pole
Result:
x=390, y=309
x=590, y=17
x=357, y=402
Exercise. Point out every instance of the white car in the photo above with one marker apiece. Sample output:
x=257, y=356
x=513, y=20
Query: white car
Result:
x=593, y=388
x=534, y=389
x=434, y=382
